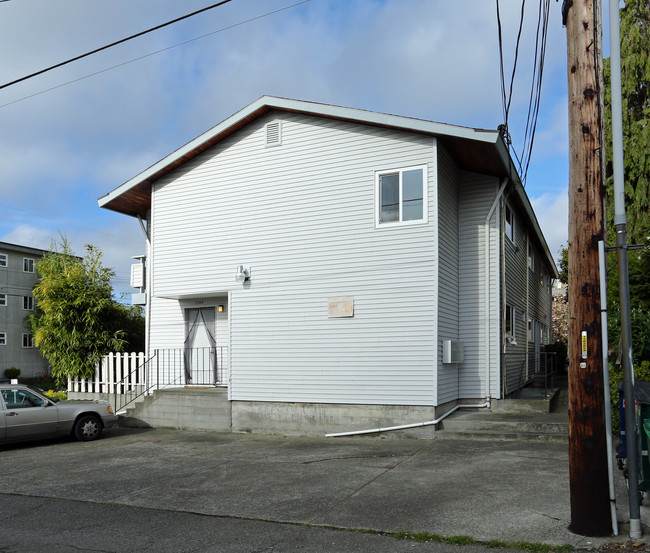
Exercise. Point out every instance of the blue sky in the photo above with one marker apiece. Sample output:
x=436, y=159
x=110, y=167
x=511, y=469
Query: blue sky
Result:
x=62, y=149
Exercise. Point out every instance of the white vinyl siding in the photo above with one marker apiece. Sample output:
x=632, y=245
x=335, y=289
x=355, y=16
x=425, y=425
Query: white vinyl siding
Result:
x=476, y=195
x=302, y=217
x=448, y=306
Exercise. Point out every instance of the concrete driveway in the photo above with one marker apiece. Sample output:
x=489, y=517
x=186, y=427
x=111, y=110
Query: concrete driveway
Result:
x=134, y=486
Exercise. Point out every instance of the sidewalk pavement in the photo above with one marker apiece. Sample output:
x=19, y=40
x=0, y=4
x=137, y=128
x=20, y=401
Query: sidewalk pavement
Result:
x=499, y=490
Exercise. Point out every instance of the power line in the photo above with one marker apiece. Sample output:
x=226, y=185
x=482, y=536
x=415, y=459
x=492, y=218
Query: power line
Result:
x=115, y=43
x=154, y=53
x=523, y=159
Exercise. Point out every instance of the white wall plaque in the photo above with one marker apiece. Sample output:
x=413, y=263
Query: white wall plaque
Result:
x=341, y=306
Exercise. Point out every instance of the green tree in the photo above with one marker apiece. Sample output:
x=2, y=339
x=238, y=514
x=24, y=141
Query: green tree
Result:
x=635, y=82
x=77, y=321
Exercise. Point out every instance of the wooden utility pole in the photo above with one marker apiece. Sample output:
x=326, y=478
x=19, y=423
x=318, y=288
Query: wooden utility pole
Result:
x=590, y=509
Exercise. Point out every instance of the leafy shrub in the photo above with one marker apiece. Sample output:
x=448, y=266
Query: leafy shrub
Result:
x=12, y=372
x=56, y=394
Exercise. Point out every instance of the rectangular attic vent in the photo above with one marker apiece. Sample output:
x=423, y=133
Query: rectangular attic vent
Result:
x=273, y=134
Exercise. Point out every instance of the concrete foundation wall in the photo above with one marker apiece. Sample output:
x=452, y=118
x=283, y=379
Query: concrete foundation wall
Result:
x=318, y=419
x=207, y=409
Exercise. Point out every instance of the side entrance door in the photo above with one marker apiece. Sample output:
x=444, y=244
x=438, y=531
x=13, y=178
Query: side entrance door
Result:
x=200, y=357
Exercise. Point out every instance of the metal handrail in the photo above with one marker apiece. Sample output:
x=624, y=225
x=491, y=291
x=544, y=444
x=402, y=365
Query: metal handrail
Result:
x=173, y=368
x=123, y=384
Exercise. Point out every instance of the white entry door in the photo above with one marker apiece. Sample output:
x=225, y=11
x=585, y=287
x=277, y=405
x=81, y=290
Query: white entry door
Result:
x=200, y=346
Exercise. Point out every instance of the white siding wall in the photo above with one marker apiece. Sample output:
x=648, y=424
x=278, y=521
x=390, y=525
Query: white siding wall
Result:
x=448, y=306
x=301, y=216
x=476, y=195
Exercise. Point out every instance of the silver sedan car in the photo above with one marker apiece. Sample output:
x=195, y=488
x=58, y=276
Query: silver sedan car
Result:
x=26, y=414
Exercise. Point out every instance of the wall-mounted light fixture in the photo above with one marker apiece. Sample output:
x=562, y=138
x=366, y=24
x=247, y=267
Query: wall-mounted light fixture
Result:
x=242, y=275
x=221, y=308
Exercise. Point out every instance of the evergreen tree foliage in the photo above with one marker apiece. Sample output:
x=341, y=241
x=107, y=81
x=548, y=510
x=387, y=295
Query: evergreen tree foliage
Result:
x=635, y=80
x=77, y=321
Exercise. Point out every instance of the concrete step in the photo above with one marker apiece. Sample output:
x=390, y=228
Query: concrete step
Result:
x=489, y=425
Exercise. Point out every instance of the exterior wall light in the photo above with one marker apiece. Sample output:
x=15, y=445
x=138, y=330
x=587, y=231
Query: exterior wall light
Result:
x=242, y=275
x=221, y=308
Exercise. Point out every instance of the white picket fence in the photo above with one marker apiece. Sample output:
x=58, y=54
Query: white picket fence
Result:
x=117, y=373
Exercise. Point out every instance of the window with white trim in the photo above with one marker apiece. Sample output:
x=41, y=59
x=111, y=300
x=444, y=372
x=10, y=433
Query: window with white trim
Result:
x=28, y=265
x=28, y=340
x=531, y=259
x=3, y=259
x=401, y=196
x=510, y=224
x=511, y=329
x=3, y=300
x=28, y=303
x=3, y=338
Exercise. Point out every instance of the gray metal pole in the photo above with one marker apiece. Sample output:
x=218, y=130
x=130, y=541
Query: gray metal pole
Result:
x=620, y=223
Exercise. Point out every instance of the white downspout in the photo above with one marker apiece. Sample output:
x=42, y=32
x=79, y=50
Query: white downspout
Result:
x=607, y=394
x=487, y=286
x=147, y=269
x=405, y=426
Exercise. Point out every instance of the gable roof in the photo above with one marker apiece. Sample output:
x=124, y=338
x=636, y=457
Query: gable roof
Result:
x=478, y=150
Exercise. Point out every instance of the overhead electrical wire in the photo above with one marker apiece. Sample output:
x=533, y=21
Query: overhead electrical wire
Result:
x=154, y=53
x=523, y=158
x=96, y=50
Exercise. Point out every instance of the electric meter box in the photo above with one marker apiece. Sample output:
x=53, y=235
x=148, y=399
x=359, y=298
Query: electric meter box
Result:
x=452, y=352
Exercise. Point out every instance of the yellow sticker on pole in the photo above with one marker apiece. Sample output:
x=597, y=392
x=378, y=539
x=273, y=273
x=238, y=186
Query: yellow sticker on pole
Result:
x=584, y=344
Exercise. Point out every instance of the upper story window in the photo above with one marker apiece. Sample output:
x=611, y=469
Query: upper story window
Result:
x=3, y=300
x=510, y=224
x=401, y=196
x=28, y=302
x=28, y=265
x=3, y=259
x=28, y=340
x=531, y=259
x=511, y=320
x=3, y=338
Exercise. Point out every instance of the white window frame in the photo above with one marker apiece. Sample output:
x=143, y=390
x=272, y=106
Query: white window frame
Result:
x=425, y=193
x=3, y=300
x=531, y=259
x=509, y=227
x=511, y=317
x=3, y=338
x=4, y=260
x=29, y=301
x=28, y=339
x=28, y=265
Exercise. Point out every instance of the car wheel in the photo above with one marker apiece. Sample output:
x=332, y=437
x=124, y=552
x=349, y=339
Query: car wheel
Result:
x=88, y=428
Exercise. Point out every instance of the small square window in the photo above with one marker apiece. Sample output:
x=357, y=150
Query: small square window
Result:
x=401, y=196
x=531, y=259
x=510, y=224
x=3, y=338
x=28, y=340
x=3, y=259
x=511, y=329
x=3, y=300
x=28, y=303
x=28, y=265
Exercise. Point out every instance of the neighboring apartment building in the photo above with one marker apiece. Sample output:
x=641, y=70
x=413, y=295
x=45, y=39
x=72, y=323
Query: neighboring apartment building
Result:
x=17, y=278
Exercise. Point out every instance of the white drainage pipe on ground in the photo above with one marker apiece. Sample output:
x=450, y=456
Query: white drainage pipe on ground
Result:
x=405, y=426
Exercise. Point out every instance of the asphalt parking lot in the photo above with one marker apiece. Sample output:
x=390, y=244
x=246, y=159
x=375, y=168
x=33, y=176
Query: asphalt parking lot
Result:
x=168, y=490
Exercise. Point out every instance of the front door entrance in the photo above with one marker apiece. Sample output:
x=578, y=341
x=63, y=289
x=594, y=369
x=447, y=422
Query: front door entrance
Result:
x=200, y=358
